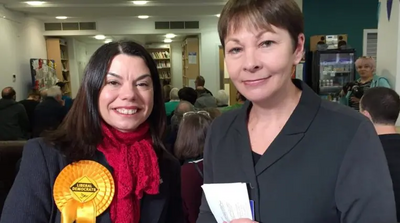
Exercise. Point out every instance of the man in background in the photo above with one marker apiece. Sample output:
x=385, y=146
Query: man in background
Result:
x=382, y=106
x=50, y=112
x=205, y=98
x=240, y=99
x=67, y=100
x=14, y=122
x=30, y=104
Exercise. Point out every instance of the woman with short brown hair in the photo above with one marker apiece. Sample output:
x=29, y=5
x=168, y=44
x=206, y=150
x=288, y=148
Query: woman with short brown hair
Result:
x=189, y=147
x=304, y=159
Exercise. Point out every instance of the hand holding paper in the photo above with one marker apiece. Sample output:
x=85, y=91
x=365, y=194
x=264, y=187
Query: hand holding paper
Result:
x=228, y=201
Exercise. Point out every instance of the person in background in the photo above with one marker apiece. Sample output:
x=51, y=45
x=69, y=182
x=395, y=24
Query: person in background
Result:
x=382, y=106
x=304, y=159
x=49, y=114
x=117, y=121
x=199, y=84
x=173, y=102
x=213, y=112
x=189, y=147
x=67, y=99
x=167, y=87
x=172, y=130
x=205, y=99
x=43, y=94
x=352, y=92
x=30, y=105
x=188, y=94
x=240, y=99
x=14, y=121
x=222, y=99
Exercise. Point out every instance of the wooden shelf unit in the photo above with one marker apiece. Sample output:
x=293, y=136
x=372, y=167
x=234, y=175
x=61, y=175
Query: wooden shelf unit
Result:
x=162, y=57
x=57, y=50
x=190, y=61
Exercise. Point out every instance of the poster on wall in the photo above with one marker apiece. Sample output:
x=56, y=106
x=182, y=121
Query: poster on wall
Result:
x=43, y=73
x=389, y=5
x=192, y=57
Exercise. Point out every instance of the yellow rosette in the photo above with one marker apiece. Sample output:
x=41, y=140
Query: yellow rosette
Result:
x=82, y=191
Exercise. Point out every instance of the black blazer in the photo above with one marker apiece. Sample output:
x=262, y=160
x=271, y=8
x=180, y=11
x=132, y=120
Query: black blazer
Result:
x=31, y=200
x=327, y=165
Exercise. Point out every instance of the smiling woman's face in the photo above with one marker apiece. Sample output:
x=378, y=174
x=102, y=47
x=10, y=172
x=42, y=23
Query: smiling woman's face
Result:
x=126, y=99
x=260, y=62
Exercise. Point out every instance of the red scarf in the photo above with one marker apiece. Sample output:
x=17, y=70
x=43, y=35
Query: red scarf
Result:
x=136, y=171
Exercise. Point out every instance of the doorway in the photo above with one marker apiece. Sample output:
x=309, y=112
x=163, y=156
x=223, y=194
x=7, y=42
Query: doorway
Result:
x=226, y=83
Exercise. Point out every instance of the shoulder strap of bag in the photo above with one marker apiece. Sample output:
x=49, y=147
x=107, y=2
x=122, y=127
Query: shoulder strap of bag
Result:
x=198, y=169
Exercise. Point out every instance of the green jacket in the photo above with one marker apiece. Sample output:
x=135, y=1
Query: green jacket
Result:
x=377, y=81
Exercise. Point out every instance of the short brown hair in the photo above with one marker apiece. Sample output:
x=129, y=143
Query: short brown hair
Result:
x=192, y=136
x=200, y=81
x=284, y=14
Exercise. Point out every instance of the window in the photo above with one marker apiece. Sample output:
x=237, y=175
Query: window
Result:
x=370, y=42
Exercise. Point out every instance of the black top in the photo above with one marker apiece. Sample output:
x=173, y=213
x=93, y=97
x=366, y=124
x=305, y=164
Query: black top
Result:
x=391, y=146
x=30, y=106
x=326, y=165
x=31, y=200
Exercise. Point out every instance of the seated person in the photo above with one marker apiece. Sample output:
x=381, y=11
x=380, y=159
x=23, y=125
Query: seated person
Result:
x=188, y=94
x=14, y=122
x=189, y=147
x=173, y=101
x=382, y=106
x=49, y=113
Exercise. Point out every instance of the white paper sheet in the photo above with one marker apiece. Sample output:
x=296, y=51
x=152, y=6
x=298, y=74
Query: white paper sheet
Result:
x=228, y=201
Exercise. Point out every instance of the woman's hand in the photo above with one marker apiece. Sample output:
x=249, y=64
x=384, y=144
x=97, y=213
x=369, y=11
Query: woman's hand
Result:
x=242, y=220
x=355, y=100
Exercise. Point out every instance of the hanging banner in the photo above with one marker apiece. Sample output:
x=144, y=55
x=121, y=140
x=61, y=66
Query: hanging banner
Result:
x=389, y=4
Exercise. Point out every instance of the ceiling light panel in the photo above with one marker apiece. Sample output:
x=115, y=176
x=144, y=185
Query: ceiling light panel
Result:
x=140, y=2
x=35, y=3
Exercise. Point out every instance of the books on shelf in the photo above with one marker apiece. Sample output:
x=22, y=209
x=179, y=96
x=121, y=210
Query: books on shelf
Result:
x=163, y=64
x=160, y=55
x=165, y=74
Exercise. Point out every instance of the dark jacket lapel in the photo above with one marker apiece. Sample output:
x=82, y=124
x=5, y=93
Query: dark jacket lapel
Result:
x=242, y=144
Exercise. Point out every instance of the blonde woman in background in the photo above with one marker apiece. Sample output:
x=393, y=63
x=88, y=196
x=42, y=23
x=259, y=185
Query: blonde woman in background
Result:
x=352, y=93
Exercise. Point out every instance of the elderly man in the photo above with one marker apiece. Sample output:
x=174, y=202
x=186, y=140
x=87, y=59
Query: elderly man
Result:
x=50, y=112
x=14, y=122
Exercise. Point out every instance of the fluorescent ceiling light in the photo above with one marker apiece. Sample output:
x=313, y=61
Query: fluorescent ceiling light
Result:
x=108, y=41
x=170, y=35
x=99, y=37
x=35, y=3
x=167, y=40
x=61, y=17
x=140, y=2
x=218, y=15
x=143, y=17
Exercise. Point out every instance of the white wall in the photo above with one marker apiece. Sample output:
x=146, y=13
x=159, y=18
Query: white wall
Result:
x=176, y=60
x=77, y=54
x=21, y=39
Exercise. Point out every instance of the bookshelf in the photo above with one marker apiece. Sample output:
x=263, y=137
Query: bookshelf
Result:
x=161, y=54
x=57, y=50
x=190, y=61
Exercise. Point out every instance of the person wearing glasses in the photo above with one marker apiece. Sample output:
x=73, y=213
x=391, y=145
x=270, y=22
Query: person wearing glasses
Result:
x=189, y=147
x=352, y=92
x=303, y=158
